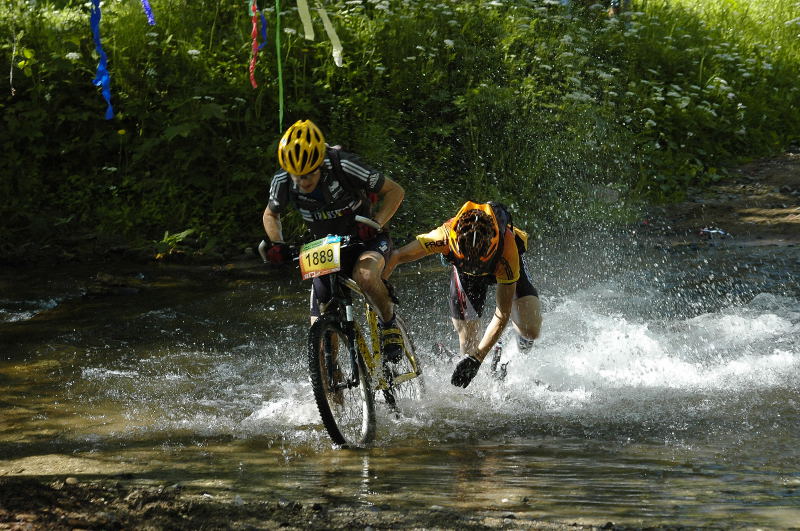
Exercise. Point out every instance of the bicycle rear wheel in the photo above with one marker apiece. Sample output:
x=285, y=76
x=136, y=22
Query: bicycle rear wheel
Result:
x=341, y=385
x=404, y=378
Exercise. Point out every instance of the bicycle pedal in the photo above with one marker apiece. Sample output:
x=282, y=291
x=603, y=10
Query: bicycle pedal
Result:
x=497, y=352
x=500, y=373
x=443, y=352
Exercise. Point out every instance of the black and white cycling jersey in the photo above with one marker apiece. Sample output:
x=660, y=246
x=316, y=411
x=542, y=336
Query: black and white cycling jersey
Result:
x=330, y=208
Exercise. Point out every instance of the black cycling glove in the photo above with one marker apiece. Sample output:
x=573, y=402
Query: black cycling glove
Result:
x=465, y=371
x=280, y=253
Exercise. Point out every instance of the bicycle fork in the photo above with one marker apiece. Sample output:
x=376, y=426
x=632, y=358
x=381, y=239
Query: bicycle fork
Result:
x=348, y=330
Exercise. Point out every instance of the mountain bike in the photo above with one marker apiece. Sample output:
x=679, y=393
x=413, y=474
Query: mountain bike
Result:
x=344, y=350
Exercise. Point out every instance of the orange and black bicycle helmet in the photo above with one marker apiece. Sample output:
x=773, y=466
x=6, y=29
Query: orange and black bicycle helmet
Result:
x=302, y=148
x=474, y=235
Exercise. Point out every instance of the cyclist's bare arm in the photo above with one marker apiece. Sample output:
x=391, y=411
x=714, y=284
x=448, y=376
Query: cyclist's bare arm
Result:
x=407, y=253
x=272, y=224
x=502, y=314
x=391, y=195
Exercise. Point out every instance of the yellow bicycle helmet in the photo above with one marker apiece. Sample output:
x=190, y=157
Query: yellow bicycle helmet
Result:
x=474, y=235
x=302, y=148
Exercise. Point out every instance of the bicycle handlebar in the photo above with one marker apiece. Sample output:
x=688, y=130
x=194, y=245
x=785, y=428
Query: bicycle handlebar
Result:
x=262, y=247
x=367, y=221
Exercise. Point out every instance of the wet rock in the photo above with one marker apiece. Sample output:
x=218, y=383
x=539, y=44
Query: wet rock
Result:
x=291, y=505
x=107, y=284
x=78, y=523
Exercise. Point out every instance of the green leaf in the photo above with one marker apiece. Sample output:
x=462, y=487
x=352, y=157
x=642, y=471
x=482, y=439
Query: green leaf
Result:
x=179, y=130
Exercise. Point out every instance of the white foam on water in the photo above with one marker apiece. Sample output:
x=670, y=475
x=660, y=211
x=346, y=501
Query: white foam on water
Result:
x=733, y=347
x=597, y=356
x=15, y=311
x=592, y=356
x=100, y=373
x=292, y=405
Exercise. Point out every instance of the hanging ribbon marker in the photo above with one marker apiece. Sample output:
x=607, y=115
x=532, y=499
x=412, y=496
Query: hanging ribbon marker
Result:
x=305, y=17
x=103, y=77
x=149, y=12
x=280, y=68
x=254, y=47
x=263, y=30
x=11, y=70
x=337, y=46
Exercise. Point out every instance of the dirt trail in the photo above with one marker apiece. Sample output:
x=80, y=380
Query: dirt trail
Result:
x=758, y=205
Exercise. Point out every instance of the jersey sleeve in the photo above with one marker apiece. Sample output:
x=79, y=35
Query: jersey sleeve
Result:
x=507, y=270
x=371, y=179
x=434, y=241
x=279, y=192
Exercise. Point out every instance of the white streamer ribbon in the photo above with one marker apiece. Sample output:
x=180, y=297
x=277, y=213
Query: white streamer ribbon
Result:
x=335, y=43
x=305, y=17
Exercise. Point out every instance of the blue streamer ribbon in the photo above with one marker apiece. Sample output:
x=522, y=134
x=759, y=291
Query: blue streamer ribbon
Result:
x=149, y=12
x=263, y=30
x=103, y=77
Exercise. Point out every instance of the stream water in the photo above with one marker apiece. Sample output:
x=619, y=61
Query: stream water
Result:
x=665, y=388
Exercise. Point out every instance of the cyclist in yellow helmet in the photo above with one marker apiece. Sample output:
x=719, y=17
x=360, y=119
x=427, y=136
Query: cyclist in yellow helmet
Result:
x=330, y=187
x=484, y=248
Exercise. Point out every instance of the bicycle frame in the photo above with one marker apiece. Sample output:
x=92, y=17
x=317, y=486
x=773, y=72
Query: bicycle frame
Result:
x=343, y=287
x=345, y=394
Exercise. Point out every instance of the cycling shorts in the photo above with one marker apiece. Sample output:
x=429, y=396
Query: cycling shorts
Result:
x=321, y=286
x=468, y=293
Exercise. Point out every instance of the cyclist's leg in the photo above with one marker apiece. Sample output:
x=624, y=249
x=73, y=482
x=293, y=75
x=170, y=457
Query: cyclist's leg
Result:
x=526, y=316
x=467, y=298
x=467, y=331
x=526, y=312
x=368, y=270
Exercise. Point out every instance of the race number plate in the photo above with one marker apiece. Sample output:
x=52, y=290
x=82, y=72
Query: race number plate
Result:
x=321, y=257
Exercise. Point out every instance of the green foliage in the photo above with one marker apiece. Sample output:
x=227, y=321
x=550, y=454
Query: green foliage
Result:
x=543, y=106
x=170, y=243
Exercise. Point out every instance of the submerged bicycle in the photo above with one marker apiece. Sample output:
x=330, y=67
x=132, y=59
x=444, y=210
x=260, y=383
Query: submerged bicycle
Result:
x=344, y=351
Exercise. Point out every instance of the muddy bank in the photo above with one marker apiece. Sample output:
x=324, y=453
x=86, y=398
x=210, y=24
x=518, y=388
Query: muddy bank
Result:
x=31, y=503
x=758, y=205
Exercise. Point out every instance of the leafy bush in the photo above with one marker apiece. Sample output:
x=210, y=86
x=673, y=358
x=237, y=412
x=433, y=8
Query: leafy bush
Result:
x=552, y=109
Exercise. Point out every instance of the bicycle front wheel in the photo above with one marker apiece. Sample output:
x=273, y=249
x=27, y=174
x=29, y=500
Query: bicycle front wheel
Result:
x=341, y=384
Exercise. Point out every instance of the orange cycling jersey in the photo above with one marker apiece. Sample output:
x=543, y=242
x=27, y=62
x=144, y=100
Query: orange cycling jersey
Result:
x=507, y=269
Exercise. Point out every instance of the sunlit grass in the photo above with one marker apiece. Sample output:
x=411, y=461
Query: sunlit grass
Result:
x=710, y=82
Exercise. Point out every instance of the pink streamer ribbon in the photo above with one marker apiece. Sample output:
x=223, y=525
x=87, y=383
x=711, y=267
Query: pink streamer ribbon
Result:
x=254, y=48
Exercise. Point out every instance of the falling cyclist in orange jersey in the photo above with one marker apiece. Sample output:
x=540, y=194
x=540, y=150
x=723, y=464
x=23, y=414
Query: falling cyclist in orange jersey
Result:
x=484, y=248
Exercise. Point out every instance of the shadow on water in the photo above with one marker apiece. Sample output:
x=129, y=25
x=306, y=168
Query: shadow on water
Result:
x=664, y=388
